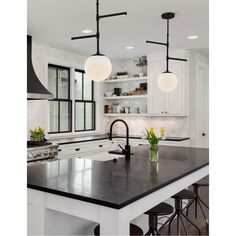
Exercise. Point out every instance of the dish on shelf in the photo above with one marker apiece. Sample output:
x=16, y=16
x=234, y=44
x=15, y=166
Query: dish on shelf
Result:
x=108, y=94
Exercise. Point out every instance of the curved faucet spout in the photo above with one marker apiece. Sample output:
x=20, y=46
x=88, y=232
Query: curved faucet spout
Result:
x=127, y=147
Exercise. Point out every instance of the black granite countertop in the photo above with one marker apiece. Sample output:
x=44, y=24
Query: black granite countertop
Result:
x=116, y=184
x=105, y=136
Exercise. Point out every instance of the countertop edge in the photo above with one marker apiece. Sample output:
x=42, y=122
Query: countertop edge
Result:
x=118, y=136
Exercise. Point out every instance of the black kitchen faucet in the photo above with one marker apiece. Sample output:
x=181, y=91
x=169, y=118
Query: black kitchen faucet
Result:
x=126, y=150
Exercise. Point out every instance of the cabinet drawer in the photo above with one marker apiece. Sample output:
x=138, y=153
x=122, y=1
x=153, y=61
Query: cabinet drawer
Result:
x=70, y=150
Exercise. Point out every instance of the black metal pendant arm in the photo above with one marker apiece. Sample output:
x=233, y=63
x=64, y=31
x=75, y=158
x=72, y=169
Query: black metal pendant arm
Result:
x=167, y=16
x=97, y=35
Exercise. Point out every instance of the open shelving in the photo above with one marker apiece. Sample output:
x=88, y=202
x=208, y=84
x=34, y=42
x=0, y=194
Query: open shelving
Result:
x=132, y=101
x=125, y=97
x=124, y=114
x=132, y=79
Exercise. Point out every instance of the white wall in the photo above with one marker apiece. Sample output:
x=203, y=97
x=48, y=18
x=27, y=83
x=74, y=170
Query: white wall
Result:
x=195, y=102
x=37, y=111
x=175, y=126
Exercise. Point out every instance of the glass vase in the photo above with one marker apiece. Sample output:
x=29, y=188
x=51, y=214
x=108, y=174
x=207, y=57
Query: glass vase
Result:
x=153, y=153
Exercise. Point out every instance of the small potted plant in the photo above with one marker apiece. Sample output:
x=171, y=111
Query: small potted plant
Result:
x=37, y=135
x=142, y=62
x=153, y=140
x=122, y=75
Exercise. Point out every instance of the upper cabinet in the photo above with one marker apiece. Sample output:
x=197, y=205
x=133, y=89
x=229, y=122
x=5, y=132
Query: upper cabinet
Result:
x=168, y=104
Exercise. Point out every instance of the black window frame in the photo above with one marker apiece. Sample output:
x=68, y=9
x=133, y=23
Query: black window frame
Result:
x=85, y=102
x=59, y=100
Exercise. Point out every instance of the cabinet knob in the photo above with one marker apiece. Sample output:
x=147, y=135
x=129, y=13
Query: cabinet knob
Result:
x=77, y=149
x=203, y=134
x=100, y=145
x=166, y=112
x=162, y=112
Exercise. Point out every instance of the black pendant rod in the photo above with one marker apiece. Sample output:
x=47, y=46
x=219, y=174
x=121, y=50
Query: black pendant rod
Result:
x=98, y=32
x=167, y=16
x=97, y=35
x=167, y=47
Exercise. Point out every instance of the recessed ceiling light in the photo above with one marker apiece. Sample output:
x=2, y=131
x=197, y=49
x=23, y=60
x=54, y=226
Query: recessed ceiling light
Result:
x=129, y=47
x=87, y=31
x=193, y=37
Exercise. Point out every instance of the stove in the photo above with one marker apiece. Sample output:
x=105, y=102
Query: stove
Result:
x=41, y=152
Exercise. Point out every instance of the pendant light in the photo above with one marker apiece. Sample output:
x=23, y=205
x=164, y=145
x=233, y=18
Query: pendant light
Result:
x=167, y=81
x=98, y=67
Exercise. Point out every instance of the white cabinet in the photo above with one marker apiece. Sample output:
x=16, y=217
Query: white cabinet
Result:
x=168, y=104
x=78, y=149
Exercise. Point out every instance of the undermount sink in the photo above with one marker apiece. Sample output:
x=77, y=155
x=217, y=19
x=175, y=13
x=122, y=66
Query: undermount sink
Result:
x=104, y=156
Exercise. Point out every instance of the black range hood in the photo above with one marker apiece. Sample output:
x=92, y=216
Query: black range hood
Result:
x=35, y=89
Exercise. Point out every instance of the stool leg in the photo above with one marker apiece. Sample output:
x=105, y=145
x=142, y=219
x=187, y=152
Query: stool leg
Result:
x=170, y=221
x=191, y=222
x=187, y=207
x=185, y=229
x=178, y=228
x=199, y=203
x=149, y=232
x=153, y=222
x=195, y=190
x=203, y=203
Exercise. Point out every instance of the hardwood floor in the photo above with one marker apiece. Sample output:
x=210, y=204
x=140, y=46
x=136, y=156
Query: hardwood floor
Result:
x=200, y=222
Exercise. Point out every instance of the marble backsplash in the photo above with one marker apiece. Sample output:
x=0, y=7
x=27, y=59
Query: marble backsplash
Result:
x=174, y=126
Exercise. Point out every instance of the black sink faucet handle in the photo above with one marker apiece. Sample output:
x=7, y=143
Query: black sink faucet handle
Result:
x=123, y=150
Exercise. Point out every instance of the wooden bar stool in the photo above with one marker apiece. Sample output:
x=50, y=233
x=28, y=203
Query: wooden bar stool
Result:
x=134, y=230
x=160, y=210
x=179, y=197
x=198, y=201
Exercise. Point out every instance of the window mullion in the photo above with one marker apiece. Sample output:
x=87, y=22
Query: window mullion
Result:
x=59, y=121
x=84, y=116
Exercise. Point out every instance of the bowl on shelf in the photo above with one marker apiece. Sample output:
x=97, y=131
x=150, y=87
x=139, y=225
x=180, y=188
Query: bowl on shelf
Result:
x=108, y=94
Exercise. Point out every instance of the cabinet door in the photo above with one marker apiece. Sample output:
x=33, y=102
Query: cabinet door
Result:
x=174, y=105
x=156, y=97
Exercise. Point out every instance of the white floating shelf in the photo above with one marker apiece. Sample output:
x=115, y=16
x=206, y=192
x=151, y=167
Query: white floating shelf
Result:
x=125, y=97
x=132, y=79
x=123, y=114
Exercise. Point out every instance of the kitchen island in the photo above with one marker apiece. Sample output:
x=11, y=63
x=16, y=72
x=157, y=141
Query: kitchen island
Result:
x=111, y=193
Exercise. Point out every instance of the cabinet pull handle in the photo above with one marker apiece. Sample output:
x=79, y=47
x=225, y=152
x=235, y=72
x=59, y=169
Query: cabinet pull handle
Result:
x=100, y=145
x=77, y=149
x=59, y=150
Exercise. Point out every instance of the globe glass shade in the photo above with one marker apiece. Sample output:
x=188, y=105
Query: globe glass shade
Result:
x=97, y=67
x=167, y=82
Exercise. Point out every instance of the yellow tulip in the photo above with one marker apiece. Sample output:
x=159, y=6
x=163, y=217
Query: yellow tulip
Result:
x=152, y=130
x=162, y=132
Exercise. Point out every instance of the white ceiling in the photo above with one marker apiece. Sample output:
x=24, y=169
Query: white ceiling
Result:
x=54, y=22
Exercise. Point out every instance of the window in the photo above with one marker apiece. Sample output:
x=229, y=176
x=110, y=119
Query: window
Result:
x=84, y=103
x=70, y=112
x=60, y=108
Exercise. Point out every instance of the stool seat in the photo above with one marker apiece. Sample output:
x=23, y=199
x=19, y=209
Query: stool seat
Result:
x=134, y=230
x=201, y=184
x=161, y=209
x=184, y=194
